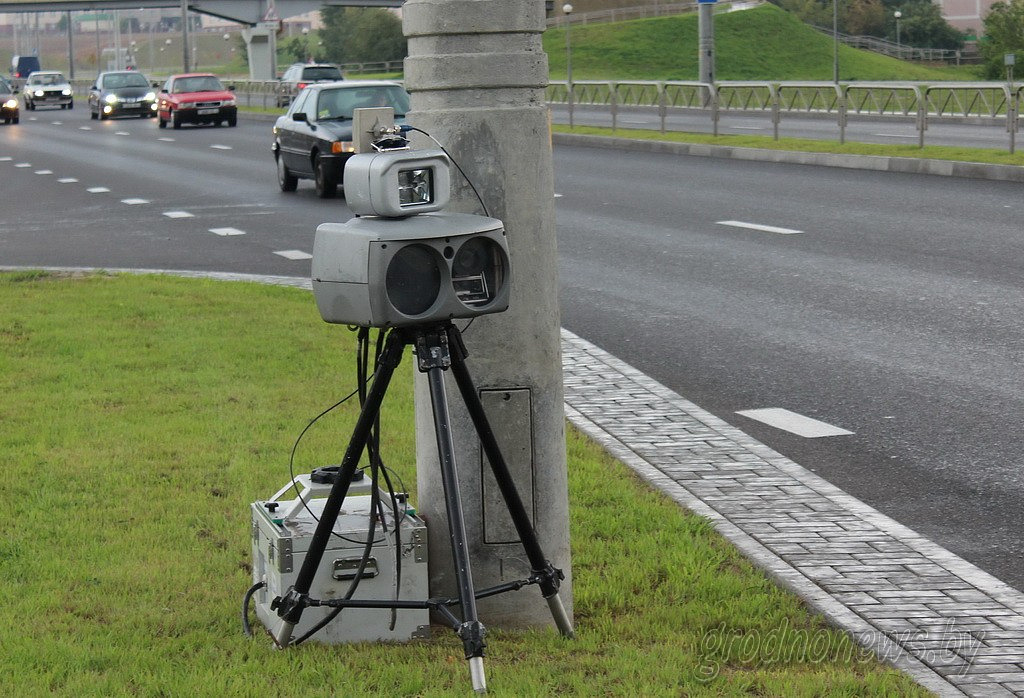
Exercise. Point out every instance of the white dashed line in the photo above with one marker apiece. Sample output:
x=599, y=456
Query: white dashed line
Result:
x=178, y=214
x=97, y=190
x=33, y=118
x=6, y=158
x=794, y=423
x=24, y=164
x=44, y=172
x=294, y=254
x=220, y=147
x=57, y=123
x=227, y=231
x=67, y=180
x=85, y=128
x=762, y=228
x=121, y=133
x=166, y=140
x=134, y=202
x=558, y=196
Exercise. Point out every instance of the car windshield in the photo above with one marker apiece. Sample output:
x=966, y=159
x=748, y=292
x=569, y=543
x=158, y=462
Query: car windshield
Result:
x=48, y=79
x=4, y=87
x=201, y=83
x=327, y=72
x=116, y=80
x=341, y=102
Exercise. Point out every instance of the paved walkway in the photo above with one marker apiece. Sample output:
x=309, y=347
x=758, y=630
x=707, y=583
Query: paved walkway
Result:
x=956, y=629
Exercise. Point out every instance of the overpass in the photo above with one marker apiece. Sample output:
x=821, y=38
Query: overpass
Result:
x=261, y=17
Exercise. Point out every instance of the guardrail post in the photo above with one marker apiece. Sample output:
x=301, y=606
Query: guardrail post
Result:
x=613, y=101
x=773, y=95
x=662, y=105
x=922, y=117
x=1012, y=107
x=713, y=94
x=841, y=104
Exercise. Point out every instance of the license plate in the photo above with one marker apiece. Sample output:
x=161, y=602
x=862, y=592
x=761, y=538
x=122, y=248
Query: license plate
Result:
x=132, y=105
x=204, y=112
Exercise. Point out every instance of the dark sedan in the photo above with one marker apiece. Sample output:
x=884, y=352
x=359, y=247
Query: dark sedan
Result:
x=313, y=140
x=10, y=110
x=121, y=93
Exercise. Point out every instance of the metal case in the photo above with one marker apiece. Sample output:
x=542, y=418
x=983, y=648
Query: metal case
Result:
x=281, y=532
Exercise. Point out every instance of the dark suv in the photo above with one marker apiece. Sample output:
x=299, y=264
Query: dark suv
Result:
x=301, y=74
x=9, y=105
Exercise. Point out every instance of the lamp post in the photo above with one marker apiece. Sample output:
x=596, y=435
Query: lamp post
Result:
x=898, y=15
x=305, y=44
x=835, y=41
x=567, y=9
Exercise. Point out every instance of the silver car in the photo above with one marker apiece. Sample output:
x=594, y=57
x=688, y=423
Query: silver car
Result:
x=47, y=88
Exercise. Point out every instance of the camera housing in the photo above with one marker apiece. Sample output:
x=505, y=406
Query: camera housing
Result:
x=393, y=272
x=397, y=183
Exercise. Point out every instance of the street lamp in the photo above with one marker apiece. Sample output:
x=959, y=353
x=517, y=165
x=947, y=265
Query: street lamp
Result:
x=897, y=14
x=835, y=41
x=567, y=9
x=305, y=44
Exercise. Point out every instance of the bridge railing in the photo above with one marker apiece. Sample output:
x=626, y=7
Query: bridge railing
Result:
x=985, y=102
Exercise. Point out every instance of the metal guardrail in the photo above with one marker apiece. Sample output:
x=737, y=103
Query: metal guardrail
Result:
x=923, y=102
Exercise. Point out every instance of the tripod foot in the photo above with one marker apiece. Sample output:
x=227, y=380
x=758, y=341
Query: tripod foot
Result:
x=560, y=616
x=476, y=674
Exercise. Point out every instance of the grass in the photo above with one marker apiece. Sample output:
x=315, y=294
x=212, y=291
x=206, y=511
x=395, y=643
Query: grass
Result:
x=763, y=43
x=142, y=415
x=933, y=152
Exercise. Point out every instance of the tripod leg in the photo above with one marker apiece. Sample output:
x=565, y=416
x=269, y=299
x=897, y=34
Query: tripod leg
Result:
x=550, y=576
x=472, y=630
x=290, y=606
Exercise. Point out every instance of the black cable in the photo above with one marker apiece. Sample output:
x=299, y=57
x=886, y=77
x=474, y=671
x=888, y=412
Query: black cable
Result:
x=479, y=198
x=245, y=607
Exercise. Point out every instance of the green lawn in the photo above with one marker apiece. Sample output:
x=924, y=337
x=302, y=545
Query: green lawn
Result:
x=142, y=415
x=764, y=43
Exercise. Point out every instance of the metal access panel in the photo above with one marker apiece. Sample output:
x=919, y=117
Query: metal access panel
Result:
x=510, y=415
x=279, y=547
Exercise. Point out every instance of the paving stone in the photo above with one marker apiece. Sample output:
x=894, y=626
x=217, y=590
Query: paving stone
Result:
x=954, y=629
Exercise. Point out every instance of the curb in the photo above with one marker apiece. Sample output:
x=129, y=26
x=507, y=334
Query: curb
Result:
x=880, y=163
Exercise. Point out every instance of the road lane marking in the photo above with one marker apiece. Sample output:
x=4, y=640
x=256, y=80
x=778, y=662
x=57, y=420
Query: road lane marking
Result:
x=166, y=140
x=762, y=228
x=794, y=423
x=220, y=147
x=6, y=158
x=558, y=196
x=178, y=214
x=24, y=164
x=67, y=180
x=134, y=202
x=97, y=190
x=85, y=128
x=44, y=172
x=294, y=254
x=57, y=123
x=121, y=133
x=227, y=231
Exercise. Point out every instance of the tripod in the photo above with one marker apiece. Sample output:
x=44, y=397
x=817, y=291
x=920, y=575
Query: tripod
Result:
x=438, y=348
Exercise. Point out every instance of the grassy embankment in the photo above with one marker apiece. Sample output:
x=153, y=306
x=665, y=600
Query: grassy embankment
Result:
x=142, y=415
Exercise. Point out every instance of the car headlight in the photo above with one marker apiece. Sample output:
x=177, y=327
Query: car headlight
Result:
x=110, y=99
x=11, y=104
x=66, y=91
x=38, y=93
x=228, y=103
x=150, y=97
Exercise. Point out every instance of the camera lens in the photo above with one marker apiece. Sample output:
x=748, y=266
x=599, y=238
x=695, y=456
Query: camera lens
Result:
x=413, y=280
x=472, y=258
x=477, y=271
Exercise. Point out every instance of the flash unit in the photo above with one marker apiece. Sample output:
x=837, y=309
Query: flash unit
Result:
x=397, y=183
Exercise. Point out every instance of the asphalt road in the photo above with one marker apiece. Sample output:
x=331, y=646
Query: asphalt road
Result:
x=895, y=312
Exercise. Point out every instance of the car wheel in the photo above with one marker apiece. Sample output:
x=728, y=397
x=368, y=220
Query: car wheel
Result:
x=71, y=105
x=326, y=184
x=104, y=117
x=175, y=121
x=161, y=121
x=15, y=120
x=285, y=179
x=233, y=121
x=93, y=115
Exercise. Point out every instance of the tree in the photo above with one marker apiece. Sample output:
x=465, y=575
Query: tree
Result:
x=863, y=18
x=354, y=35
x=921, y=25
x=1004, y=33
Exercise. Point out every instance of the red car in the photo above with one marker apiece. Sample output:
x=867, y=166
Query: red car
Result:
x=196, y=98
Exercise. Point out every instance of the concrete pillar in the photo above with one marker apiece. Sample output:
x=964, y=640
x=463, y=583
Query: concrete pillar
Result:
x=477, y=72
x=261, y=47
